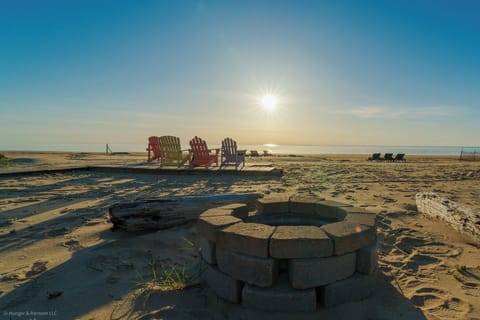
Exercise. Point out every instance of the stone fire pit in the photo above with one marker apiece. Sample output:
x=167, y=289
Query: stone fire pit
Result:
x=293, y=254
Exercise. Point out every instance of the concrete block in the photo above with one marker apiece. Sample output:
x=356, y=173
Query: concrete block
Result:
x=207, y=226
x=367, y=259
x=362, y=218
x=273, y=205
x=354, y=288
x=260, y=272
x=314, y=272
x=224, y=286
x=348, y=236
x=281, y=297
x=237, y=210
x=331, y=210
x=207, y=250
x=303, y=204
x=288, y=219
x=289, y=242
x=248, y=238
x=214, y=212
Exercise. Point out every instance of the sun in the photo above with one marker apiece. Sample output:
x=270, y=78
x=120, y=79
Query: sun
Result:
x=269, y=102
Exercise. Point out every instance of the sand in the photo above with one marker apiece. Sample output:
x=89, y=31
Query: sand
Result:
x=60, y=258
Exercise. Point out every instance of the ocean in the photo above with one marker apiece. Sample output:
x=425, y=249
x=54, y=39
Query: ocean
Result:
x=272, y=148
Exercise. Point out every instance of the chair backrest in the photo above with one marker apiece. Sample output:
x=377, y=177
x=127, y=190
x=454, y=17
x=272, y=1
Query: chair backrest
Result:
x=399, y=156
x=170, y=145
x=388, y=156
x=199, y=149
x=154, y=145
x=254, y=153
x=229, y=148
x=376, y=156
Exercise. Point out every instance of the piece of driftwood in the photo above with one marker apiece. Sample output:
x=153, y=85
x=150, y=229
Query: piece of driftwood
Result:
x=460, y=218
x=157, y=214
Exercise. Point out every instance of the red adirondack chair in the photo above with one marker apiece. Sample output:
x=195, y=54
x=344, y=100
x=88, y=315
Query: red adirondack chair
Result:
x=230, y=154
x=201, y=155
x=154, y=147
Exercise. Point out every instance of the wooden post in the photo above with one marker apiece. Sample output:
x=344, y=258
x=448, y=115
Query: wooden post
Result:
x=107, y=149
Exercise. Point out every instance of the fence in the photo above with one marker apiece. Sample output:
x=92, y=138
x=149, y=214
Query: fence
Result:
x=470, y=154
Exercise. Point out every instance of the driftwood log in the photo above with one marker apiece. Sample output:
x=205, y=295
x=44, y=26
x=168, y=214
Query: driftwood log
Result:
x=157, y=214
x=460, y=218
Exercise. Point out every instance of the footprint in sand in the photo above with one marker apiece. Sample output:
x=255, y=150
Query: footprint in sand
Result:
x=408, y=243
x=440, y=249
x=439, y=304
x=413, y=242
x=417, y=261
x=72, y=245
x=426, y=300
x=451, y=308
x=57, y=232
x=37, y=268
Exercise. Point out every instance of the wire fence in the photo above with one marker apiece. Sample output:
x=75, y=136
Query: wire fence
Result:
x=470, y=154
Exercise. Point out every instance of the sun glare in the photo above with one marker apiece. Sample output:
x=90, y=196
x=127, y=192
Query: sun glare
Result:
x=269, y=102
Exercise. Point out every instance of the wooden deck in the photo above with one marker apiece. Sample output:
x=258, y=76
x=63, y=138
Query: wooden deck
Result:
x=255, y=169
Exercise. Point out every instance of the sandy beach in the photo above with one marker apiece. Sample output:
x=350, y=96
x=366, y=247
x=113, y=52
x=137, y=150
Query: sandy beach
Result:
x=60, y=259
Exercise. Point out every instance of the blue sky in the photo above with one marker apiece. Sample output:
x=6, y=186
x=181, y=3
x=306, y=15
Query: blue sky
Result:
x=344, y=72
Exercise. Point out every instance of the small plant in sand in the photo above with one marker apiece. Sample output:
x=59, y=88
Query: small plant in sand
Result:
x=169, y=277
x=199, y=268
x=4, y=161
x=166, y=277
x=461, y=268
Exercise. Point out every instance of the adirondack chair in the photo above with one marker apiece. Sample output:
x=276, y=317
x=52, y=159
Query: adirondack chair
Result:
x=200, y=155
x=172, y=151
x=230, y=154
x=400, y=157
x=154, y=147
x=254, y=153
x=375, y=156
x=388, y=157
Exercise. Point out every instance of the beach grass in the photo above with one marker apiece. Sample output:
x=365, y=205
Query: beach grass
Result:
x=4, y=161
x=168, y=278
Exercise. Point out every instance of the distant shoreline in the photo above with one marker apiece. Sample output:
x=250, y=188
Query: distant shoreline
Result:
x=141, y=155
x=273, y=149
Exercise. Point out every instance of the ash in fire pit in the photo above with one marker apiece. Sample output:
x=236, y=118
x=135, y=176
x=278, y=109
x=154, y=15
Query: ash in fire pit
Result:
x=293, y=254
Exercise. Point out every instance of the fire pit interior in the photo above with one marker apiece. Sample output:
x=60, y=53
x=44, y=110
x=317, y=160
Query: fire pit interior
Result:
x=292, y=254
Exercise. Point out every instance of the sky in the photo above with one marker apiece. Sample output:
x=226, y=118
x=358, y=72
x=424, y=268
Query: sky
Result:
x=83, y=72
